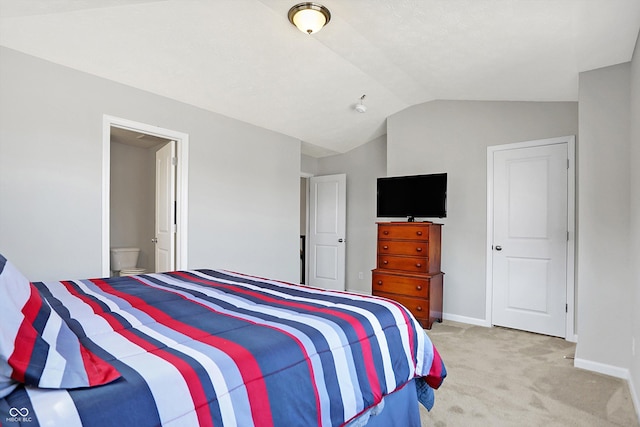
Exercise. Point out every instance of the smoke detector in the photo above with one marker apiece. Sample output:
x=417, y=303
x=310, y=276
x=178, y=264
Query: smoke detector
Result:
x=360, y=107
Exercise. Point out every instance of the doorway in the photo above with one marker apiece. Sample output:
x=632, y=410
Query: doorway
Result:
x=304, y=227
x=530, y=236
x=129, y=191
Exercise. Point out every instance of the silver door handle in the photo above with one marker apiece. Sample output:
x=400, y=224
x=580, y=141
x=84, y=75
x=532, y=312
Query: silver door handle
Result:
x=154, y=240
x=341, y=240
x=498, y=248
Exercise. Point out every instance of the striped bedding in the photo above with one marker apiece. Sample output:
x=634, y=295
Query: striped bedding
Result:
x=217, y=348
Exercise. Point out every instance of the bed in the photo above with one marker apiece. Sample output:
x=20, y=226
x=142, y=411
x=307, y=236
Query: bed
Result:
x=207, y=348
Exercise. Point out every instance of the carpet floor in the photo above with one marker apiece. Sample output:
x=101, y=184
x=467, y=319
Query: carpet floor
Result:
x=503, y=377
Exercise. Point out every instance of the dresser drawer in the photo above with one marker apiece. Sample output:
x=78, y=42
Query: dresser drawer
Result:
x=404, y=263
x=399, y=247
x=407, y=231
x=419, y=307
x=404, y=285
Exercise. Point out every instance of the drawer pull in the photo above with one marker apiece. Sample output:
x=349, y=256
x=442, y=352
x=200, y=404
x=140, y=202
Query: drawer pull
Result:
x=385, y=262
x=419, y=233
x=385, y=247
x=418, y=265
x=385, y=232
x=419, y=308
x=419, y=287
x=419, y=249
x=380, y=282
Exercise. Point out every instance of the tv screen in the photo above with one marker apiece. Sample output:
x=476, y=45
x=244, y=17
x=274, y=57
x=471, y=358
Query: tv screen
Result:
x=413, y=196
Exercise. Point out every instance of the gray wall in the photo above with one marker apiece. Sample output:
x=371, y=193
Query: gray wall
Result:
x=243, y=180
x=132, y=200
x=634, y=257
x=309, y=165
x=362, y=166
x=452, y=137
x=604, y=194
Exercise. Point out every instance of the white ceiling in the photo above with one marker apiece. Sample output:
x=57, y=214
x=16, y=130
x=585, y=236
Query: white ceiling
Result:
x=243, y=59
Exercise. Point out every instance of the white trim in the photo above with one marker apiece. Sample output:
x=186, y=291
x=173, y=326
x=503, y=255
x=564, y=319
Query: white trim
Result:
x=613, y=371
x=464, y=319
x=106, y=202
x=306, y=176
x=307, y=228
x=601, y=368
x=570, y=140
x=182, y=184
x=634, y=397
x=571, y=243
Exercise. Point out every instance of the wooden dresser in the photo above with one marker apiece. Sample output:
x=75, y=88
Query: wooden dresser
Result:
x=408, y=269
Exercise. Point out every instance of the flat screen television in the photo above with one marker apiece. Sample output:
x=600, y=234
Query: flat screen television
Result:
x=412, y=196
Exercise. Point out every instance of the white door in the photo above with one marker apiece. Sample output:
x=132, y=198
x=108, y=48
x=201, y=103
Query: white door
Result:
x=165, y=239
x=530, y=238
x=327, y=231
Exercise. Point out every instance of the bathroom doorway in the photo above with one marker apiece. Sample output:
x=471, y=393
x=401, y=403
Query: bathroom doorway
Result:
x=130, y=185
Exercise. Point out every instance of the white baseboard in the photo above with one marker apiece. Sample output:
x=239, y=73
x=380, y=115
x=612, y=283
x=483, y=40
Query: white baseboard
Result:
x=573, y=338
x=464, y=319
x=634, y=397
x=613, y=371
x=601, y=368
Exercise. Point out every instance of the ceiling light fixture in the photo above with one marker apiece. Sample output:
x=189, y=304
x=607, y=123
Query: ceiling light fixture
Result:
x=309, y=17
x=360, y=107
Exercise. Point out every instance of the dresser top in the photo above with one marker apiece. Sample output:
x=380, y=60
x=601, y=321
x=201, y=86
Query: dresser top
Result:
x=400, y=223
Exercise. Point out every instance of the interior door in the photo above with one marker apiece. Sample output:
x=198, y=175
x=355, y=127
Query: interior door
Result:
x=530, y=238
x=165, y=239
x=327, y=231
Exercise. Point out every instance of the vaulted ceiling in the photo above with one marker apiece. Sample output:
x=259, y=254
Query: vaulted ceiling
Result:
x=243, y=59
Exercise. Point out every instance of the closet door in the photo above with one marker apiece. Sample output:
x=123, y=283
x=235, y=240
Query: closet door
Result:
x=530, y=238
x=327, y=231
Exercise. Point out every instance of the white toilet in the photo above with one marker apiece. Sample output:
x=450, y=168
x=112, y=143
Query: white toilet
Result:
x=124, y=261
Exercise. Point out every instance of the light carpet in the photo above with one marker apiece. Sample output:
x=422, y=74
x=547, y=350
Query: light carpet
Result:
x=503, y=377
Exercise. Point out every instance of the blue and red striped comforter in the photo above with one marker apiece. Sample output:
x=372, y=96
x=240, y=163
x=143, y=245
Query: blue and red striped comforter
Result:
x=215, y=348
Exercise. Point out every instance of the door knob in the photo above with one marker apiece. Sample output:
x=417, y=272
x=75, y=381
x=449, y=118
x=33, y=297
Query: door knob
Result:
x=154, y=240
x=498, y=248
x=341, y=240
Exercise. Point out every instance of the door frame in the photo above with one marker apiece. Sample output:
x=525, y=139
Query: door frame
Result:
x=306, y=176
x=570, y=328
x=182, y=187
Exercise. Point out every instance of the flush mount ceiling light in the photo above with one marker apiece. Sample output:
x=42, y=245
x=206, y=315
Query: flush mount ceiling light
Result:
x=309, y=17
